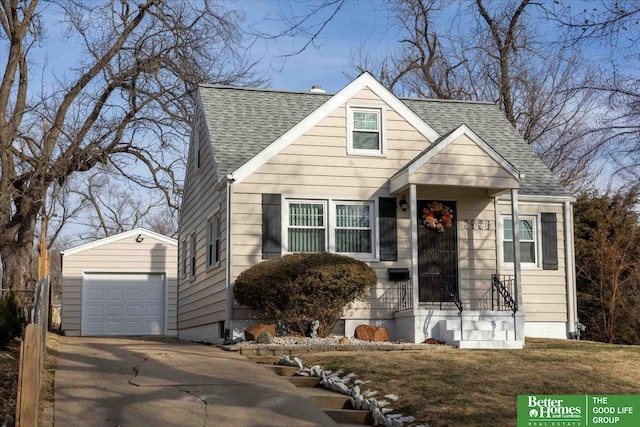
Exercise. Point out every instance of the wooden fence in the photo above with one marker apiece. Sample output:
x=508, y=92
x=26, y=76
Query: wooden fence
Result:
x=32, y=352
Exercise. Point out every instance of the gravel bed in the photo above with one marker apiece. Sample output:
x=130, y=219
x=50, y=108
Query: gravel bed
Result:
x=294, y=345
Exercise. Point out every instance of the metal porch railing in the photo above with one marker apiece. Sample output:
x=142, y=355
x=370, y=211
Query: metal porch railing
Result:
x=502, y=289
x=452, y=293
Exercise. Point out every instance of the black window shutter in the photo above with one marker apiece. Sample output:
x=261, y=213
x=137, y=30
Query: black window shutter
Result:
x=271, y=226
x=549, y=241
x=388, y=229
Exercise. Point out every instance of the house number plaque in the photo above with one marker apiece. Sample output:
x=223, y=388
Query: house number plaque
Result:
x=478, y=224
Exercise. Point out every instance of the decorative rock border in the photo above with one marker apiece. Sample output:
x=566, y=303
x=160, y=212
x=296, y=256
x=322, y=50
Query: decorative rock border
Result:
x=350, y=385
x=295, y=345
x=290, y=350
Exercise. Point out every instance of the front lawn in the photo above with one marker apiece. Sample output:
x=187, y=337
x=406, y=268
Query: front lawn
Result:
x=446, y=386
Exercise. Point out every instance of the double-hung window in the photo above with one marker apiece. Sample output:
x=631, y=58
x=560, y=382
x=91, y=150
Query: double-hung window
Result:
x=365, y=134
x=213, y=240
x=185, y=261
x=353, y=230
x=528, y=235
x=307, y=230
x=345, y=227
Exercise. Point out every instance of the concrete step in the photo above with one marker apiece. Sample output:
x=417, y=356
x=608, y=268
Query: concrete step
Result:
x=324, y=398
x=489, y=344
x=476, y=325
x=331, y=402
x=456, y=335
x=282, y=370
x=303, y=381
x=264, y=359
x=350, y=416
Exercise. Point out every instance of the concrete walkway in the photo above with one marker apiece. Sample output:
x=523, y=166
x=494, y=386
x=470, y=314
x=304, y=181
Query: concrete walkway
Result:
x=129, y=382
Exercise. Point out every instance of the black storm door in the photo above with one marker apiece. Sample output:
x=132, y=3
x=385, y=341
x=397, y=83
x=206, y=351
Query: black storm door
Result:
x=437, y=250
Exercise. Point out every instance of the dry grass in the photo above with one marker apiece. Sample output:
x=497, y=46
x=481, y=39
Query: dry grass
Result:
x=9, y=366
x=444, y=386
x=48, y=375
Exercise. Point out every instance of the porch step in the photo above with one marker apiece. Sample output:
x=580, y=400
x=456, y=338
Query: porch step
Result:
x=491, y=344
x=477, y=325
x=480, y=334
x=350, y=416
x=470, y=334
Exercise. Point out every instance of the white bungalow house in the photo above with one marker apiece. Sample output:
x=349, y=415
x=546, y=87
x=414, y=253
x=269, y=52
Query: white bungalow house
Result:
x=427, y=192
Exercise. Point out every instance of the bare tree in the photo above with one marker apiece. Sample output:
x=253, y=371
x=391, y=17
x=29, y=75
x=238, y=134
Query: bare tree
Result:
x=125, y=104
x=114, y=205
x=423, y=65
x=164, y=221
x=612, y=29
x=493, y=52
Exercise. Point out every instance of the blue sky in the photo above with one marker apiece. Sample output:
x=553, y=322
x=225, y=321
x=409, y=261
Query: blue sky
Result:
x=358, y=23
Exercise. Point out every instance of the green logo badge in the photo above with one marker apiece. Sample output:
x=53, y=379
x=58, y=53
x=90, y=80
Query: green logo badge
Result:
x=578, y=410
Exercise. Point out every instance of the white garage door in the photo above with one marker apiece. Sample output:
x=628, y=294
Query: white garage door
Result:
x=123, y=304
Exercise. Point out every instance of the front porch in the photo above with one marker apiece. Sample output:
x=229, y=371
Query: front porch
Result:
x=491, y=322
x=459, y=243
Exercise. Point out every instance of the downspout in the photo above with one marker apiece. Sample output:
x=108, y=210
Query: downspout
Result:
x=229, y=290
x=517, y=271
x=570, y=273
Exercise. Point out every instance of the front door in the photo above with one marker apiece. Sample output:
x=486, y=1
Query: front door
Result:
x=437, y=250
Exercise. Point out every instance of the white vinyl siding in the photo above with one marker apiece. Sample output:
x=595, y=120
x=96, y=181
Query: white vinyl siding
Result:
x=543, y=291
x=202, y=300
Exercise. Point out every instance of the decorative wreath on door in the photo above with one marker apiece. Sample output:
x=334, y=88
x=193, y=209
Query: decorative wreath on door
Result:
x=437, y=216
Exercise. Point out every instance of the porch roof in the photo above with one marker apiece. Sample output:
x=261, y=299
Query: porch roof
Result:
x=458, y=158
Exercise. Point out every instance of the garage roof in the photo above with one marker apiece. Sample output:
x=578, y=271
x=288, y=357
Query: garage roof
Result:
x=117, y=237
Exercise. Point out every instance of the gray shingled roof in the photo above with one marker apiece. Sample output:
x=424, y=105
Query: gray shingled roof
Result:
x=243, y=122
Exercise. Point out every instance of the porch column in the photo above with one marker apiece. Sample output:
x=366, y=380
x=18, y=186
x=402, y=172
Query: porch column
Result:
x=516, y=248
x=413, y=211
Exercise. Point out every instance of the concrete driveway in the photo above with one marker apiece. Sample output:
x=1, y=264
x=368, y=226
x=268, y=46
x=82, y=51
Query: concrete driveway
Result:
x=167, y=382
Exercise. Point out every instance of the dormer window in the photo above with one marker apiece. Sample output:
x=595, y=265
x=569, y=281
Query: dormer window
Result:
x=365, y=133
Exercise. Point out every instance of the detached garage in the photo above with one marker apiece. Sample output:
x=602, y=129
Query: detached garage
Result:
x=121, y=285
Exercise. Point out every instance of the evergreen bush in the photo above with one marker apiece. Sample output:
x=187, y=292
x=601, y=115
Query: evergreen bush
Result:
x=12, y=320
x=295, y=290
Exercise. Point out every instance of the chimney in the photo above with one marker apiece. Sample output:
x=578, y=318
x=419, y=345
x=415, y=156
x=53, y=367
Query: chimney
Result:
x=316, y=89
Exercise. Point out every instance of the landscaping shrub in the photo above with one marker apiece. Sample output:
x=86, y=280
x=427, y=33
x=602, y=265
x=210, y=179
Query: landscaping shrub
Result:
x=12, y=319
x=297, y=289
